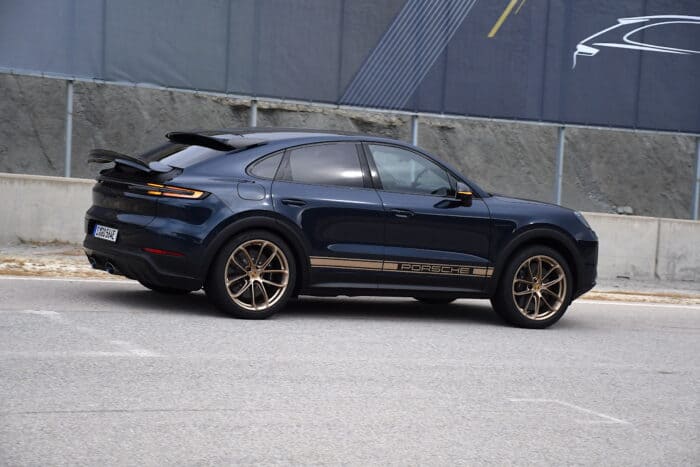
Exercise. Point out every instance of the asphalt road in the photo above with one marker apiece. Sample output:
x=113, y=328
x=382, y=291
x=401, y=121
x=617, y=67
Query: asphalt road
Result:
x=109, y=373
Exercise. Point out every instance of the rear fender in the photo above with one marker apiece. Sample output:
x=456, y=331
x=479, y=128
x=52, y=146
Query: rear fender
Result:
x=265, y=220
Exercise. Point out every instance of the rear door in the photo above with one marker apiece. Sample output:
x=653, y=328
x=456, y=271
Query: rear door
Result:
x=325, y=189
x=432, y=241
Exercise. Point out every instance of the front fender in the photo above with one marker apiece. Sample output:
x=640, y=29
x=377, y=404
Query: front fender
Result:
x=545, y=234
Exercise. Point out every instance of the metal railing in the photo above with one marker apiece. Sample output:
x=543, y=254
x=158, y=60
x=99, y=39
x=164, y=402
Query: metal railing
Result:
x=415, y=118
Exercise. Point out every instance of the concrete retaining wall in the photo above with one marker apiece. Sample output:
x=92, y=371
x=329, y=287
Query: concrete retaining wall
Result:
x=38, y=208
x=628, y=245
x=48, y=209
x=647, y=247
x=678, y=255
x=604, y=170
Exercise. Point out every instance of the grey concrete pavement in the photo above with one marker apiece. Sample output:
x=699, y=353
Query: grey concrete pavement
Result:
x=108, y=373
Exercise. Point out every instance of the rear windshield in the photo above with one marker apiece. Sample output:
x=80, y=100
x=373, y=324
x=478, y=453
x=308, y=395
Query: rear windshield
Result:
x=178, y=155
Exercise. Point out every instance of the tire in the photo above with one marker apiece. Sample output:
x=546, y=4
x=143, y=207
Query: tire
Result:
x=252, y=293
x=435, y=300
x=165, y=290
x=518, y=298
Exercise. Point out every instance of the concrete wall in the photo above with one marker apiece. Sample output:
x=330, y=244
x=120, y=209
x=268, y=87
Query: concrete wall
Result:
x=647, y=247
x=603, y=170
x=38, y=208
x=678, y=256
x=47, y=209
x=628, y=245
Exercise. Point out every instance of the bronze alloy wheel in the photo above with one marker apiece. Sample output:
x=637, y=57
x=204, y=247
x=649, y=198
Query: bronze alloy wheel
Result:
x=539, y=287
x=256, y=275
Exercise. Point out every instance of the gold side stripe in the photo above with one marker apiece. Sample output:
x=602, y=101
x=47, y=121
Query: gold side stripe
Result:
x=390, y=266
x=405, y=267
x=317, y=261
x=441, y=273
x=440, y=268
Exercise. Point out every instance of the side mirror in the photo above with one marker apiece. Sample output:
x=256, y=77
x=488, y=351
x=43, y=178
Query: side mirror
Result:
x=464, y=194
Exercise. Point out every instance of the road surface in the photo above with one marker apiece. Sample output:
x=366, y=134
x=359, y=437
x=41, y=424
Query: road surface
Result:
x=100, y=372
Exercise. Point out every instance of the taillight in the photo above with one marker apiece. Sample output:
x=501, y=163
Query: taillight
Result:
x=158, y=251
x=174, y=191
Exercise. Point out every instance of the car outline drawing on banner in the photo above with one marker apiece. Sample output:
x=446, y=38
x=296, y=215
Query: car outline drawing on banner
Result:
x=588, y=48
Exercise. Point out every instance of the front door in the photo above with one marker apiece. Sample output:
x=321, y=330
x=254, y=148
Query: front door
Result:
x=431, y=240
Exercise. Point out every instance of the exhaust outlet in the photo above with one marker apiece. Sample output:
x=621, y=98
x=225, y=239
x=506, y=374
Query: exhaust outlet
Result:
x=109, y=267
x=93, y=262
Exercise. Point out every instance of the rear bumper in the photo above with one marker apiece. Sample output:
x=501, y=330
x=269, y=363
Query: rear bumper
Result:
x=173, y=225
x=137, y=266
x=127, y=256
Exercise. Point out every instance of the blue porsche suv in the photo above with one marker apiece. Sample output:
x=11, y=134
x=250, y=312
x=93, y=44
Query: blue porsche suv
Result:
x=256, y=217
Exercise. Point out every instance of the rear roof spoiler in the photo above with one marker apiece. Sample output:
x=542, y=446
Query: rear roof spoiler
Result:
x=227, y=143
x=105, y=156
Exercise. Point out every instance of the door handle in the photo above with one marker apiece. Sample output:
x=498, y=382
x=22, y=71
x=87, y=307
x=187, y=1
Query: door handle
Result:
x=402, y=213
x=293, y=202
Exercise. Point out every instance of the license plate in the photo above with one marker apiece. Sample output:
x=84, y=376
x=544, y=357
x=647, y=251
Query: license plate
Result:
x=105, y=233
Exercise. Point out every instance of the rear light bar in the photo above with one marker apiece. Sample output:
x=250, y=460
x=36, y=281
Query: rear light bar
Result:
x=158, y=251
x=174, y=191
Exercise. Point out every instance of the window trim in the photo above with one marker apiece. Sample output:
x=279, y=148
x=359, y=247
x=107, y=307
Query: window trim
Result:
x=283, y=171
x=249, y=167
x=377, y=180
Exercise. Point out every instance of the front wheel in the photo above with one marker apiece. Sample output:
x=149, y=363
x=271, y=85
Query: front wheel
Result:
x=535, y=288
x=253, y=275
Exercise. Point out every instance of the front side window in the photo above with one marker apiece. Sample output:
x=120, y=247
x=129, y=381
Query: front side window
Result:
x=324, y=164
x=405, y=171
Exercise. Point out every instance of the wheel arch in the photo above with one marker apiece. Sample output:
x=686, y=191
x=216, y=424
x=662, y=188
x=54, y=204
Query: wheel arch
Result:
x=260, y=220
x=546, y=235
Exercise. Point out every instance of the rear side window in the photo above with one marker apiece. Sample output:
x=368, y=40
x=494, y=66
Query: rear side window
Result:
x=267, y=166
x=324, y=164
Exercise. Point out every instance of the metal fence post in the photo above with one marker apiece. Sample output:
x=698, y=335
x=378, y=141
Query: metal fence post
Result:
x=253, y=116
x=696, y=185
x=414, y=130
x=69, y=127
x=559, y=171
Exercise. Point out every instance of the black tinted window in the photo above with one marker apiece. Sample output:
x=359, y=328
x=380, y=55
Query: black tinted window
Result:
x=407, y=172
x=325, y=164
x=178, y=155
x=267, y=166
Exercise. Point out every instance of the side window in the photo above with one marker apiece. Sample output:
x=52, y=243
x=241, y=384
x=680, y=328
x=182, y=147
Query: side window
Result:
x=267, y=166
x=324, y=164
x=407, y=172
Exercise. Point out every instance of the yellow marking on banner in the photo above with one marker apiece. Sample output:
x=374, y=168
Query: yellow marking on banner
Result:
x=502, y=18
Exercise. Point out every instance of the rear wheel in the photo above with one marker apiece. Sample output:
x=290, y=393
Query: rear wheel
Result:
x=252, y=276
x=165, y=290
x=535, y=288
